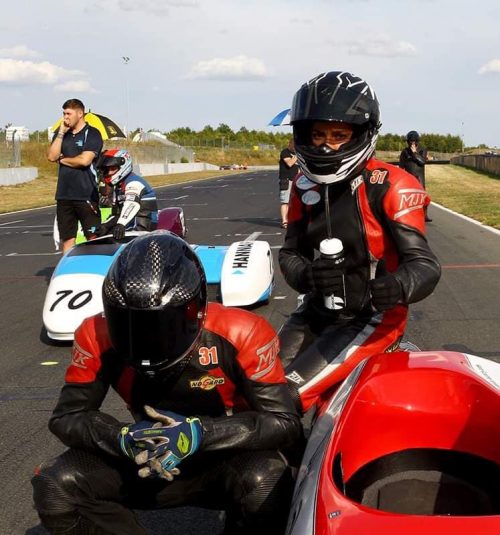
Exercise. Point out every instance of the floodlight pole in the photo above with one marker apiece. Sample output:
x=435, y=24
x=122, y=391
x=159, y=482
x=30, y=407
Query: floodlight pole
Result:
x=126, y=60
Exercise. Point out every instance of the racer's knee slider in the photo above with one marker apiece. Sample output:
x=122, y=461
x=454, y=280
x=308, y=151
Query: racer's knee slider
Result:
x=54, y=488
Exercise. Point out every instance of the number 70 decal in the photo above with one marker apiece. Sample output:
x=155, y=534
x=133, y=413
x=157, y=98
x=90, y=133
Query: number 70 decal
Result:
x=78, y=300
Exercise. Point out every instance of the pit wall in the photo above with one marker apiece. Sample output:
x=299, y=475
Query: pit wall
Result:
x=17, y=175
x=480, y=162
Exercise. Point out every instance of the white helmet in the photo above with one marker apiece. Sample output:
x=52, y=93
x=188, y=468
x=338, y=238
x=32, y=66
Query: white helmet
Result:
x=115, y=158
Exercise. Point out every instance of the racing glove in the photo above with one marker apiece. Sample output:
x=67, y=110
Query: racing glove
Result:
x=119, y=232
x=386, y=292
x=161, y=443
x=324, y=276
x=107, y=226
x=138, y=442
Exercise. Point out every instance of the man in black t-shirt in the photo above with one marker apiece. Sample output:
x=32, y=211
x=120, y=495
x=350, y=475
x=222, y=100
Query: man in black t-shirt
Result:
x=288, y=168
x=75, y=147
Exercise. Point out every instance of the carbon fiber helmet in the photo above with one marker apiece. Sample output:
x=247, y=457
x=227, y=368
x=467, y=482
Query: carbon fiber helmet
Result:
x=115, y=158
x=155, y=298
x=412, y=136
x=335, y=97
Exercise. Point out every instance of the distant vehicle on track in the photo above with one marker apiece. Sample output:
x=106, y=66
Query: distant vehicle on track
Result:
x=232, y=167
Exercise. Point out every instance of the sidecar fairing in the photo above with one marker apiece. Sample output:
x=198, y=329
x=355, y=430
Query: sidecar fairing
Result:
x=409, y=444
x=242, y=273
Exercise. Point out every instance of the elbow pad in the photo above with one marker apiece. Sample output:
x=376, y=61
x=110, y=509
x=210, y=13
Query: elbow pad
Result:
x=129, y=210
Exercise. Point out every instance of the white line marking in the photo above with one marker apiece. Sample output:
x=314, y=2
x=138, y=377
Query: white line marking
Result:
x=206, y=187
x=207, y=218
x=29, y=226
x=32, y=254
x=469, y=219
x=253, y=236
x=277, y=297
x=12, y=222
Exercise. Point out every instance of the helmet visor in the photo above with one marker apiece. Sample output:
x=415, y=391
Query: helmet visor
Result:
x=155, y=338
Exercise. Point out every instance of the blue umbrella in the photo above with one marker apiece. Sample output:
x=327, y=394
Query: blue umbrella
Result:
x=282, y=119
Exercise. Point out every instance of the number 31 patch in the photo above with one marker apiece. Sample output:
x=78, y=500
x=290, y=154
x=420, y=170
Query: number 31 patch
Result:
x=208, y=356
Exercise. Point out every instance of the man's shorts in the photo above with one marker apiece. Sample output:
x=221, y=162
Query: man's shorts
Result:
x=69, y=213
x=285, y=194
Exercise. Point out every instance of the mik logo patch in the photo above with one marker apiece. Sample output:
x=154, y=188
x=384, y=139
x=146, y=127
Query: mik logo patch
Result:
x=409, y=200
x=267, y=358
x=80, y=357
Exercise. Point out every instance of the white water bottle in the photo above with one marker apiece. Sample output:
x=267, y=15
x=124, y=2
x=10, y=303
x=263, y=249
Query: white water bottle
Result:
x=334, y=250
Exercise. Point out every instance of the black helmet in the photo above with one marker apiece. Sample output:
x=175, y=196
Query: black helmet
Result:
x=412, y=136
x=155, y=298
x=335, y=96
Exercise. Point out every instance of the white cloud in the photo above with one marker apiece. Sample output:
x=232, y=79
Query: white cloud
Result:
x=27, y=72
x=157, y=7
x=236, y=68
x=18, y=51
x=380, y=46
x=21, y=72
x=491, y=66
x=75, y=86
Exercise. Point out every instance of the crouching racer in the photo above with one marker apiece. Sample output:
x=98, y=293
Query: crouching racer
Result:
x=132, y=199
x=207, y=393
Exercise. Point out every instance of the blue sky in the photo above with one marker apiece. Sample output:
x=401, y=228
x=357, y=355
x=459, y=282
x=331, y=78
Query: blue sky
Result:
x=434, y=64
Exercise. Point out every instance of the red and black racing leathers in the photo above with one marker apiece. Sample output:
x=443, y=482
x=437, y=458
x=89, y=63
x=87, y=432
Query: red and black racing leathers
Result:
x=233, y=381
x=379, y=218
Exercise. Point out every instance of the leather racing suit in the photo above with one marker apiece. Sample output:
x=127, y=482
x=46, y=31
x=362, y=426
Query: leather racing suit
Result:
x=379, y=218
x=414, y=163
x=234, y=382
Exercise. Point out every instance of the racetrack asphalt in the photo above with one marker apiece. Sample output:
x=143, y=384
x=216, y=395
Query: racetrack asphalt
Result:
x=463, y=314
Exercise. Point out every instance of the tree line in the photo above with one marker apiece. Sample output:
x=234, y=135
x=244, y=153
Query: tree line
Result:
x=224, y=137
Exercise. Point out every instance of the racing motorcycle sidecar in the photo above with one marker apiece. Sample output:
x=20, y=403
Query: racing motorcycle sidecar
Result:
x=408, y=444
x=241, y=274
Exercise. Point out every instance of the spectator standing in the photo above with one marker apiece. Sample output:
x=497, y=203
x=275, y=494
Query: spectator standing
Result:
x=288, y=168
x=75, y=147
x=413, y=158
